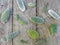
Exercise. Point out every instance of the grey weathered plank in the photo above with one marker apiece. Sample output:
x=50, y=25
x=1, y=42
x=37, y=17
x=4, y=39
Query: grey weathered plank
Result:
x=5, y=28
x=51, y=4
x=17, y=26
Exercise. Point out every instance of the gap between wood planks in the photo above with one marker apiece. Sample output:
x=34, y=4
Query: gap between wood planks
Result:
x=12, y=16
x=12, y=19
x=36, y=14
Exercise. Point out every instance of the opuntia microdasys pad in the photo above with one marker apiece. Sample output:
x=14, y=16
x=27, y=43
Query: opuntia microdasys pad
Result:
x=41, y=41
x=31, y=5
x=21, y=5
x=36, y=20
x=21, y=19
x=53, y=29
x=10, y=36
x=23, y=41
x=33, y=34
x=45, y=8
x=54, y=14
x=6, y=15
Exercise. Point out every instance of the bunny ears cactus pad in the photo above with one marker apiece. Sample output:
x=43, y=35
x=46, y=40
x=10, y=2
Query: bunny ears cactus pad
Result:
x=53, y=29
x=21, y=5
x=21, y=19
x=10, y=36
x=23, y=41
x=32, y=34
x=31, y=5
x=5, y=15
x=40, y=41
x=36, y=20
x=54, y=14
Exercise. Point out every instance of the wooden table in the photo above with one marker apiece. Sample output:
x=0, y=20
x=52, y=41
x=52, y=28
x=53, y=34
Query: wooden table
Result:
x=13, y=25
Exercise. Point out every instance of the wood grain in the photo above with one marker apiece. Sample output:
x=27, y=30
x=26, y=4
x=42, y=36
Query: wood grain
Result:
x=5, y=28
x=23, y=28
x=13, y=24
x=51, y=4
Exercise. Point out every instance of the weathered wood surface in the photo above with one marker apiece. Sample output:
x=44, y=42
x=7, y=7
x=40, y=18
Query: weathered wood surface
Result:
x=36, y=11
x=51, y=4
x=5, y=28
x=23, y=28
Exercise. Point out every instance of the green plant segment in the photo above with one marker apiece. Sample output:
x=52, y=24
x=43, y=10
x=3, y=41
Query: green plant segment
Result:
x=23, y=41
x=31, y=5
x=5, y=15
x=53, y=29
x=45, y=8
x=41, y=41
x=54, y=14
x=32, y=34
x=10, y=36
x=36, y=20
x=21, y=19
x=21, y=5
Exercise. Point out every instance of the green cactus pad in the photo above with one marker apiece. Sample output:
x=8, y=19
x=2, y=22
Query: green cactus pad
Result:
x=32, y=34
x=21, y=5
x=21, y=19
x=10, y=36
x=31, y=5
x=53, y=29
x=36, y=20
x=45, y=8
x=41, y=41
x=23, y=41
x=5, y=15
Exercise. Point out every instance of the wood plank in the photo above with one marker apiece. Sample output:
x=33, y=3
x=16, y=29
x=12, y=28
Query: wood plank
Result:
x=23, y=28
x=51, y=4
x=5, y=28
